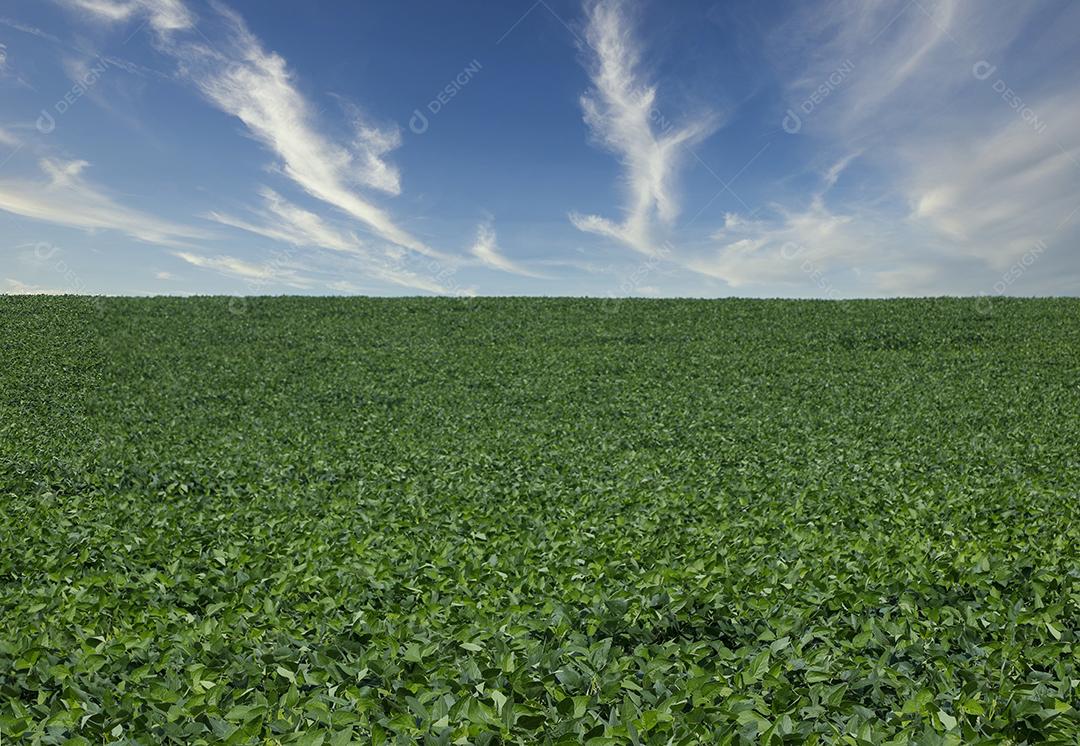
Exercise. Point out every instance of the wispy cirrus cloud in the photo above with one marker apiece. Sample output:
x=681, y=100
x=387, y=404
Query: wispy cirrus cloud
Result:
x=242, y=79
x=162, y=15
x=28, y=29
x=403, y=276
x=892, y=47
x=621, y=113
x=965, y=174
x=790, y=247
x=66, y=197
x=278, y=272
x=15, y=286
x=7, y=70
x=486, y=250
x=238, y=76
x=369, y=147
x=283, y=221
x=995, y=195
x=258, y=88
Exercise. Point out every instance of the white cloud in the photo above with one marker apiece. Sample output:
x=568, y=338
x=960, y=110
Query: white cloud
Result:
x=8, y=139
x=286, y=271
x=239, y=77
x=995, y=194
x=908, y=280
x=847, y=61
x=18, y=287
x=486, y=250
x=28, y=29
x=408, y=278
x=960, y=180
x=257, y=87
x=164, y=16
x=277, y=272
x=796, y=248
x=804, y=250
x=620, y=112
x=832, y=175
x=66, y=198
x=164, y=275
x=10, y=71
x=283, y=221
x=369, y=146
x=347, y=288
x=244, y=80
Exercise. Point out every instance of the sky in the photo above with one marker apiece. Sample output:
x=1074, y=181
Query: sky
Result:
x=612, y=148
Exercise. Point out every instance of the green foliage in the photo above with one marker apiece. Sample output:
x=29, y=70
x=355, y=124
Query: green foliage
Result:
x=329, y=521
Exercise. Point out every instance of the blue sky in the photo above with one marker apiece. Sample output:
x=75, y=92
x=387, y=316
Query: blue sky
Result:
x=836, y=148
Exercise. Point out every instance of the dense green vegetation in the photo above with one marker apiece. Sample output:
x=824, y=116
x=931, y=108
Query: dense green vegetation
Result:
x=331, y=521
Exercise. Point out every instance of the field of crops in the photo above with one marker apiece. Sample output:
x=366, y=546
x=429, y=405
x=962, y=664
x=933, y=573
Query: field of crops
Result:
x=491, y=521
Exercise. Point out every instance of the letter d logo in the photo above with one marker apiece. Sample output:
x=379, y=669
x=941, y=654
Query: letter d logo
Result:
x=983, y=70
x=45, y=123
x=419, y=123
x=792, y=123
